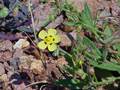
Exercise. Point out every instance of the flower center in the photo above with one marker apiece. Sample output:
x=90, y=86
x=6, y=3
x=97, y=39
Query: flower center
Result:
x=49, y=40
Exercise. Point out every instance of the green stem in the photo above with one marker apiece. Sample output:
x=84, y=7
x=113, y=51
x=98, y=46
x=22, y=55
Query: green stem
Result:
x=65, y=52
x=95, y=78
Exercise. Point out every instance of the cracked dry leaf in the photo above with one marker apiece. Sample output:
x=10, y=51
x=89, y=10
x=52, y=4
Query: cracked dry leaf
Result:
x=5, y=45
x=41, y=14
x=36, y=66
x=24, y=66
x=18, y=53
x=5, y=56
x=25, y=62
x=4, y=77
x=61, y=61
x=21, y=43
x=53, y=71
x=2, y=69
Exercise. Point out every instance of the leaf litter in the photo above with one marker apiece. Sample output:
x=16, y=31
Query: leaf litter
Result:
x=25, y=67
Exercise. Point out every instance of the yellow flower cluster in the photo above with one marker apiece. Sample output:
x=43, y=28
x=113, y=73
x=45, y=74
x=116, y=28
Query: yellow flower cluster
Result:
x=49, y=39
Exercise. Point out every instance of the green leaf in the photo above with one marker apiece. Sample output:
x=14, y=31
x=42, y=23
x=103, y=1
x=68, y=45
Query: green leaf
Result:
x=108, y=32
x=3, y=12
x=117, y=47
x=106, y=81
x=70, y=23
x=108, y=35
x=87, y=21
x=95, y=52
x=107, y=66
x=67, y=56
x=73, y=84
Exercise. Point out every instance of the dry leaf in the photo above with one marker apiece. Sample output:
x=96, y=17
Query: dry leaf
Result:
x=61, y=61
x=2, y=70
x=65, y=41
x=25, y=62
x=5, y=56
x=53, y=71
x=41, y=14
x=22, y=86
x=37, y=66
x=23, y=59
x=10, y=36
x=21, y=43
x=35, y=2
x=74, y=35
x=4, y=77
x=5, y=45
x=56, y=22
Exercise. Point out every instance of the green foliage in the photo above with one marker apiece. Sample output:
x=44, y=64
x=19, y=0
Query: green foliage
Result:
x=117, y=48
x=3, y=12
x=107, y=35
x=87, y=21
x=107, y=81
x=94, y=50
x=71, y=13
x=107, y=66
x=74, y=84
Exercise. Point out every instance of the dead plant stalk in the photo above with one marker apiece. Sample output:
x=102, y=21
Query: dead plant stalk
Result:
x=33, y=24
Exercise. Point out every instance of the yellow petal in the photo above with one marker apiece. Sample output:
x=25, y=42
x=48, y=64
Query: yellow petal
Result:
x=42, y=34
x=42, y=45
x=52, y=31
x=57, y=38
x=52, y=47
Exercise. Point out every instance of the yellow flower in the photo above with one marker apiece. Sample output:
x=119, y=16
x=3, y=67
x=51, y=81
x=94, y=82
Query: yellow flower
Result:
x=81, y=62
x=49, y=39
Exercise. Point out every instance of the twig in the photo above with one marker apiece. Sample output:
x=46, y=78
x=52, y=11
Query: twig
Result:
x=33, y=24
x=34, y=83
x=42, y=87
x=30, y=39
